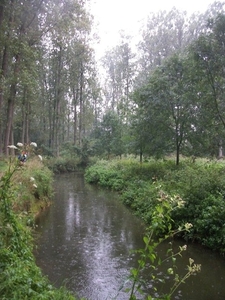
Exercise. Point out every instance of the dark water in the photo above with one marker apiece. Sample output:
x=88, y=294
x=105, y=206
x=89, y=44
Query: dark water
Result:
x=85, y=238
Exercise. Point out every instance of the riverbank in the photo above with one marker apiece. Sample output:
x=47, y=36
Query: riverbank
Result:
x=200, y=185
x=25, y=190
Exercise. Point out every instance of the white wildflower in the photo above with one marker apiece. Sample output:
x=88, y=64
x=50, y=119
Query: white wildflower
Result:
x=33, y=144
x=34, y=185
x=187, y=226
x=32, y=179
x=19, y=144
x=183, y=248
x=12, y=147
x=40, y=157
x=170, y=271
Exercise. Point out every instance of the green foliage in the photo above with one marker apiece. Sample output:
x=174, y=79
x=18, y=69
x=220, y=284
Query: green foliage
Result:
x=62, y=164
x=141, y=197
x=150, y=260
x=200, y=184
x=108, y=136
x=43, y=179
x=128, y=169
x=72, y=158
x=3, y=165
x=151, y=170
x=203, y=188
x=20, y=278
x=106, y=175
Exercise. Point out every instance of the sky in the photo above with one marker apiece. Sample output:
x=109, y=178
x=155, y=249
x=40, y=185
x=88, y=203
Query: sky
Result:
x=111, y=16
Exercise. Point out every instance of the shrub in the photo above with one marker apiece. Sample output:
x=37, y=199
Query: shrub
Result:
x=106, y=175
x=62, y=164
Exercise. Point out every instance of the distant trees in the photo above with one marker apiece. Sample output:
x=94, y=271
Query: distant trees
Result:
x=164, y=34
x=167, y=32
x=119, y=64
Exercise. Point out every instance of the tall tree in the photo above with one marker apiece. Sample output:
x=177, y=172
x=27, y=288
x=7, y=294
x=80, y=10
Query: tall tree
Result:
x=209, y=52
x=167, y=108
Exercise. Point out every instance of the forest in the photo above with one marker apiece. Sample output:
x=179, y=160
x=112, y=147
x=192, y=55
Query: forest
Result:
x=164, y=98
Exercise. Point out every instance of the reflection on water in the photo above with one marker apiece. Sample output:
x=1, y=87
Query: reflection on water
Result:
x=85, y=241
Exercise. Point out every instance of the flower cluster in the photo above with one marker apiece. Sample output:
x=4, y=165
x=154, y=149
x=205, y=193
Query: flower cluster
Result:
x=32, y=179
x=193, y=268
x=24, y=150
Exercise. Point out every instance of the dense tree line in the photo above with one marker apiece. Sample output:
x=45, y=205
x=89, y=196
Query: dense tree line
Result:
x=167, y=97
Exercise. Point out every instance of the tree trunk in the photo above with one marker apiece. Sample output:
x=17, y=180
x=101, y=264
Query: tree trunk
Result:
x=4, y=71
x=220, y=150
x=178, y=155
x=10, y=112
x=10, y=106
x=57, y=61
x=3, y=76
x=1, y=13
x=25, y=113
x=141, y=156
x=75, y=100
x=27, y=123
x=81, y=107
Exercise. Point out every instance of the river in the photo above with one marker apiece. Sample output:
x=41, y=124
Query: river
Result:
x=84, y=241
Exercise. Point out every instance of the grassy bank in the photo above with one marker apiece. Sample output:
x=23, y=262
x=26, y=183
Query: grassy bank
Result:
x=24, y=191
x=200, y=185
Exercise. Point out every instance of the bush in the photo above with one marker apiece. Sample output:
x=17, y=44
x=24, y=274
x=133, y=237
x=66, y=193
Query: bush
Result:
x=108, y=176
x=202, y=187
x=62, y=164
